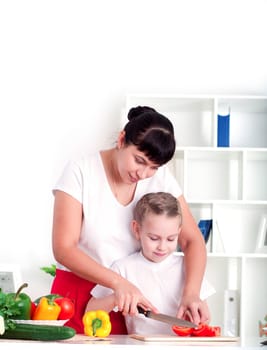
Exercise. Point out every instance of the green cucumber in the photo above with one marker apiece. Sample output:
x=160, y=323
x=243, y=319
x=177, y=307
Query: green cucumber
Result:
x=39, y=332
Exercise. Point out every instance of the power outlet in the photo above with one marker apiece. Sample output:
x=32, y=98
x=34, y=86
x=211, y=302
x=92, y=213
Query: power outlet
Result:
x=7, y=282
x=10, y=277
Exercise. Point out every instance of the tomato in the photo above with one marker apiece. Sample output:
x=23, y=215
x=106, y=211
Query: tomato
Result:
x=67, y=308
x=182, y=331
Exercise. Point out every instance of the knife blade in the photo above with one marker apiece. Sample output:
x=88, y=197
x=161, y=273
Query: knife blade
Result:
x=166, y=318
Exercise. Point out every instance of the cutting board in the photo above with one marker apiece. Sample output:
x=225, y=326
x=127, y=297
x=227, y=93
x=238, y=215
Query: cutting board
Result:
x=175, y=338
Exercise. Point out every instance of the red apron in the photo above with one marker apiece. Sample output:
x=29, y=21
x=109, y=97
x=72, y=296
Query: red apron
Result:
x=78, y=289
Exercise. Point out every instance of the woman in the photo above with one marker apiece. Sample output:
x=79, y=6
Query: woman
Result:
x=94, y=201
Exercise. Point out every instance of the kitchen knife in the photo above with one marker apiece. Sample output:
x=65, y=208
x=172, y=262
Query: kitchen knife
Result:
x=166, y=318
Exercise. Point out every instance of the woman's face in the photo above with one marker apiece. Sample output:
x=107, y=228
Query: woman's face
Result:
x=134, y=165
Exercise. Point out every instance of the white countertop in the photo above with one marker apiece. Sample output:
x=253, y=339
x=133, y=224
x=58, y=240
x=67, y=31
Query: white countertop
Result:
x=120, y=342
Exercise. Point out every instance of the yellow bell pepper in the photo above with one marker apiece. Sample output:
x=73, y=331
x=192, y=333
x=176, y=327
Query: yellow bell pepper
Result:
x=96, y=323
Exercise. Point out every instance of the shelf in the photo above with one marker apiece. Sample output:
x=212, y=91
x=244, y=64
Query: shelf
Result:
x=219, y=175
x=247, y=121
x=254, y=292
x=195, y=118
x=235, y=225
x=237, y=255
x=223, y=173
x=256, y=175
x=219, y=266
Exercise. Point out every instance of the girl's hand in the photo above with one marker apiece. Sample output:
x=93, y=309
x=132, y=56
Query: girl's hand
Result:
x=194, y=310
x=127, y=297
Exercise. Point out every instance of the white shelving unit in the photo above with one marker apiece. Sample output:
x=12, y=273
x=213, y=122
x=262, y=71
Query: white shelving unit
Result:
x=227, y=185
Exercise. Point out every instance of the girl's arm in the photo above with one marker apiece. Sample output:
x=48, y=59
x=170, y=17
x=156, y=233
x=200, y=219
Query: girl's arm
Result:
x=106, y=303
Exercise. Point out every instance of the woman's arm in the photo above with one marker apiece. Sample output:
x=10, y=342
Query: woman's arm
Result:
x=193, y=246
x=67, y=223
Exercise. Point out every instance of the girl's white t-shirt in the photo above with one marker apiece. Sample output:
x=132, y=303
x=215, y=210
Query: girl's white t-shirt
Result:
x=106, y=233
x=161, y=283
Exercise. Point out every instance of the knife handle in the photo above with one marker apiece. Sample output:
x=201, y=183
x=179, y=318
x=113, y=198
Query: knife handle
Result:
x=143, y=311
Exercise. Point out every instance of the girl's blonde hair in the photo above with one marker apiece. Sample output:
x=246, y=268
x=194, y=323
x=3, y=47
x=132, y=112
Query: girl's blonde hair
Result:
x=157, y=203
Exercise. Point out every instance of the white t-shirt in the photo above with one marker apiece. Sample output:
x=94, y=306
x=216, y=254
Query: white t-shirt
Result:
x=106, y=233
x=161, y=283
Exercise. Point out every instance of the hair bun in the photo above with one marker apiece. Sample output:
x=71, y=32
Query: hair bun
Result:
x=137, y=111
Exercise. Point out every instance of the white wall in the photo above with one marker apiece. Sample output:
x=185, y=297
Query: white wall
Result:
x=65, y=68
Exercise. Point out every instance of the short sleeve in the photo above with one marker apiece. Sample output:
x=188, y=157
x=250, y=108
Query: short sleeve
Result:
x=71, y=181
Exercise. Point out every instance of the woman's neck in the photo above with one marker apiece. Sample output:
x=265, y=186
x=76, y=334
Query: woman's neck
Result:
x=123, y=192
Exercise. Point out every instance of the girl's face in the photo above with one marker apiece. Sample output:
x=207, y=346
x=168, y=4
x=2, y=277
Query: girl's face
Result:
x=132, y=164
x=158, y=235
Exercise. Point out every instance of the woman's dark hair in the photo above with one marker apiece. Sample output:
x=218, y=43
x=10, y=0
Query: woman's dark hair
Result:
x=151, y=132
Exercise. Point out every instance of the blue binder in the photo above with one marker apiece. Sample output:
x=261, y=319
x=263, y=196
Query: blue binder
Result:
x=205, y=228
x=223, y=137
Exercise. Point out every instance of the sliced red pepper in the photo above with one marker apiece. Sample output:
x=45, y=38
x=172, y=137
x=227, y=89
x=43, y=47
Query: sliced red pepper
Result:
x=217, y=330
x=204, y=330
x=182, y=331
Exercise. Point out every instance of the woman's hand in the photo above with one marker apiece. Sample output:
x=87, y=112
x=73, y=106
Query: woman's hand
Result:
x=127, y=297
x=194, y=310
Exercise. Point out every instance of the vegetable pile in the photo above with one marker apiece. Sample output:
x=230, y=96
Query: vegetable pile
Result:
x=19, y=306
